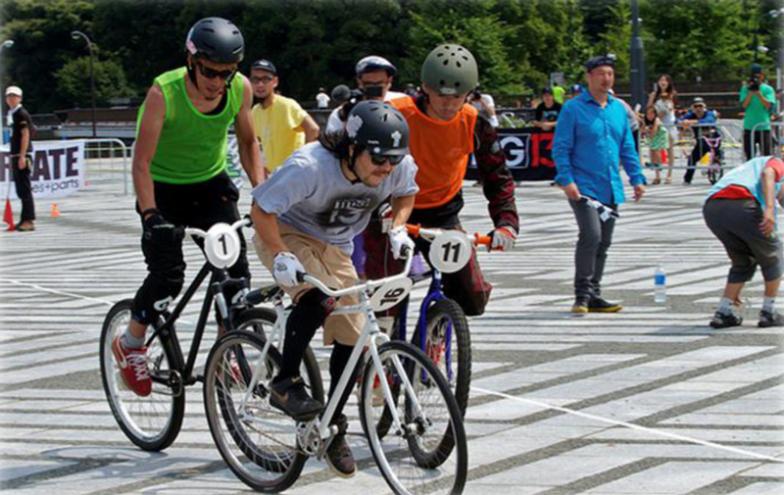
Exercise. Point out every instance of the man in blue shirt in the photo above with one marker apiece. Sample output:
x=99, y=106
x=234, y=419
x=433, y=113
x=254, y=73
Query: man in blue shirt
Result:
x=702, y=121
x=591, y=139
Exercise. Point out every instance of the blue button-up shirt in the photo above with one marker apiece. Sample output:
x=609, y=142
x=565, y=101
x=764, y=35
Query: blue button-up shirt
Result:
x=590, y=142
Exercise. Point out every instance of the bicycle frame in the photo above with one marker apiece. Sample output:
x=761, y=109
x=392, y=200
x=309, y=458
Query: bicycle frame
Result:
x=219, y=280
x=370, y=336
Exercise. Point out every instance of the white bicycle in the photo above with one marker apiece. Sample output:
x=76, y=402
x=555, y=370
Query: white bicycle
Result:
x=267, y=449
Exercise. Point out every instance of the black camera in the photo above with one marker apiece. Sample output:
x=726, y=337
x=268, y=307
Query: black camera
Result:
x=753, y=84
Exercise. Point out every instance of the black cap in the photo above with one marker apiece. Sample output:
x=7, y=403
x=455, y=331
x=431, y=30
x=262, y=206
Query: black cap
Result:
x=698, y=100
x=264, y=64
x=756, y=69
x=547, y=91
x=600, y=60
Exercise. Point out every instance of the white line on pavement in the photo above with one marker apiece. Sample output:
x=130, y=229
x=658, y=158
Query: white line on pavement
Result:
x=631, y=425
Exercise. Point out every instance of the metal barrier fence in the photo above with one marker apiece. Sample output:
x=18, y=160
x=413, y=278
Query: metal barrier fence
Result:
x=775, y=136
x=107, y=161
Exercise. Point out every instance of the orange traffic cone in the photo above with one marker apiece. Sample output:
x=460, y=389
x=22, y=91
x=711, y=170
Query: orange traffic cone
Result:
x=55, y=212
x=8, y=215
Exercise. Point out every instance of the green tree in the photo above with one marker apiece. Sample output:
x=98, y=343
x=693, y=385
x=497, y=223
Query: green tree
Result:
x=616, y=39
x=472, y=24
x=73, y=82
x=707, y=38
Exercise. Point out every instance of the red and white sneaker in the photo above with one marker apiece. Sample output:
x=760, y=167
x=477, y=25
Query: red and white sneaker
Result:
x=133, y=367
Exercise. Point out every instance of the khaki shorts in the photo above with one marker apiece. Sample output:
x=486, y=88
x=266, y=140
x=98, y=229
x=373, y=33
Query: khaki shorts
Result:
x=328, y=264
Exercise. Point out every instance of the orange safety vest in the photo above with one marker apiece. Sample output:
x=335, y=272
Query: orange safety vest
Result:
x=441, y=150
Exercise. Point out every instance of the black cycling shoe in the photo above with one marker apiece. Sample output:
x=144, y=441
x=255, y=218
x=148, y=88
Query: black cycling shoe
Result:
x=599, y=305
x=289, y=395
x=339, y=457
x=725, y=320
x=770, y=319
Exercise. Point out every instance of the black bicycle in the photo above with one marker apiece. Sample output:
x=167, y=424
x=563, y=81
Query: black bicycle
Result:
x=154, y=421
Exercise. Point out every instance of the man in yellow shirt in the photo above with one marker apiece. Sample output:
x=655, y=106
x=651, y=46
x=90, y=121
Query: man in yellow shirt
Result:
x=280, y=123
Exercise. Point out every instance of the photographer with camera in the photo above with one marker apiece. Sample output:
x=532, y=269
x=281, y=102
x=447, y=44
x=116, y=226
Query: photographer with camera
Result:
x=756, y=98
x=485, y=104
x=374, y=80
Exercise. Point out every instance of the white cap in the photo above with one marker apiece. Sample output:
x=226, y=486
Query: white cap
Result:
x=13, y=90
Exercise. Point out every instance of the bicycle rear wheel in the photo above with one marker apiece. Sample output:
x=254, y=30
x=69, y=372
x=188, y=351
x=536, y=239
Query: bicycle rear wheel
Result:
x=154, y=421
x=257, y=441
x=411, y=458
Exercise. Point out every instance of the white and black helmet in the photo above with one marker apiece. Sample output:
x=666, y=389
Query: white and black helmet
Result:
x=374, y=62
x=377, y=127
x=217, y=40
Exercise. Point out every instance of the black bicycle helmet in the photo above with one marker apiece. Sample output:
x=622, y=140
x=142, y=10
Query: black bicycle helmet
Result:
x=377, y=127
x=374, y=62
x=217, y=40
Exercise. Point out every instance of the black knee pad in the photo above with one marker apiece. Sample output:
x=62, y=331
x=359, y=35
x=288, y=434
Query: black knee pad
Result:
x=156, y=293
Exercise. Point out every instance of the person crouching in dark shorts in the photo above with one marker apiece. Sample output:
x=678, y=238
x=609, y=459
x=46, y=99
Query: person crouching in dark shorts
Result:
x=740, y=210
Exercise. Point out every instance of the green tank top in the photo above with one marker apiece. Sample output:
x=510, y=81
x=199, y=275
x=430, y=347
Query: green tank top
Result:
x=192, y=146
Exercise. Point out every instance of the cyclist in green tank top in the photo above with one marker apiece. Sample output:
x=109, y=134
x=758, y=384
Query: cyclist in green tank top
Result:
x=179, y=172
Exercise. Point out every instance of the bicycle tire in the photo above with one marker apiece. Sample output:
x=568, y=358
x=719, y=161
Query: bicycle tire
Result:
x=447, y=310
x=265, y=468
x=426, y=381
x=715, y=173
x=123, y=402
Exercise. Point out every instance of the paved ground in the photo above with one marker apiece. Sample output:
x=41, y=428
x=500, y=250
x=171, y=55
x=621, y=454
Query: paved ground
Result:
x=649, y=400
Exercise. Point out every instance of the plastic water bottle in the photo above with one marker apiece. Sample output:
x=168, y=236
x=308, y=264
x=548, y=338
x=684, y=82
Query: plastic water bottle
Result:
x=659, y=286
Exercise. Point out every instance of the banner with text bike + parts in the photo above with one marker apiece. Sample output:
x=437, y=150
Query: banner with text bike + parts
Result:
x=57, y=169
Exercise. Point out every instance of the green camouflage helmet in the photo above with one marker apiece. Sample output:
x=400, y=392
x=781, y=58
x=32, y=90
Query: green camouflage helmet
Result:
x=451, y=70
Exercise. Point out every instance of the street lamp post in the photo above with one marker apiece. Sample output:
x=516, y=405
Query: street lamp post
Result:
x=6, y=44
x=637, y=75
x=76, y=35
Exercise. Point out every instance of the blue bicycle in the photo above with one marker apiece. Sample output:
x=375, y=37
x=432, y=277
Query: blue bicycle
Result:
x=441, y=330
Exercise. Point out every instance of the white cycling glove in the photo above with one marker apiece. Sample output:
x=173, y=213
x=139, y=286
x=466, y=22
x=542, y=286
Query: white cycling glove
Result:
x=285, y=268
x=398, y=240
x=503, y=239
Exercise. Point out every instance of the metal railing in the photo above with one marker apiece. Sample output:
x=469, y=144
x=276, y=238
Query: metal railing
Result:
x=774, y=136
x=684, y=142
x=107, y=160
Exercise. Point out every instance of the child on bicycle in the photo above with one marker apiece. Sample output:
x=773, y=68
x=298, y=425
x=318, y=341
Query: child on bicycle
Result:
x=305, y=217
x=658, y=140
x=702, y=122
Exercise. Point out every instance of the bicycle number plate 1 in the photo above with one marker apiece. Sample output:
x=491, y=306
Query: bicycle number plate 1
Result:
x=390, y=294
x=450, y=251
x=222, y=245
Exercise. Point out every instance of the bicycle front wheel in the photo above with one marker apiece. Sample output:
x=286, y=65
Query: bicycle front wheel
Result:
x=411, y=457
x=257, y=441
x=448, y=345
x=154, y=421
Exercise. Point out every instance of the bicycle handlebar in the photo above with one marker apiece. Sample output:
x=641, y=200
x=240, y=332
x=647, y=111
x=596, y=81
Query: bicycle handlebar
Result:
x=370, y=284
x=430, y=234
x=236, y=226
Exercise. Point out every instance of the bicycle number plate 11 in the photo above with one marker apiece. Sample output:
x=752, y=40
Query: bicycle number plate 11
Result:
x=450, y=251
x=222, y=245
x=390, y=294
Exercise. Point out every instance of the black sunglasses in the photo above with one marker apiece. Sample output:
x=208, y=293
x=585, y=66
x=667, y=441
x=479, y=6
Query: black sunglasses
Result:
x=382, y=159
x=226, y=75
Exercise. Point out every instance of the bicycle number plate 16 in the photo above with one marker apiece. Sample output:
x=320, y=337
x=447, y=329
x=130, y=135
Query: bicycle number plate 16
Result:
x=222, y=245
x=390, y=294
x=450, y=251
